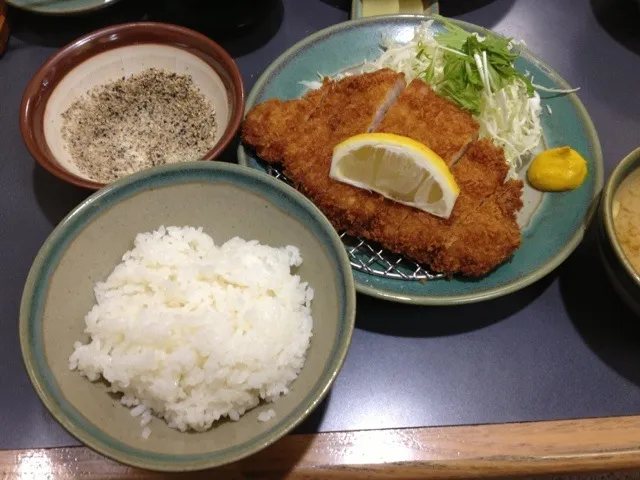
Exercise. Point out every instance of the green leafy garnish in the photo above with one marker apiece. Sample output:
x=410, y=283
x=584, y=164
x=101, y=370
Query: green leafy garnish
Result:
x=464, y=77
x=455, y=37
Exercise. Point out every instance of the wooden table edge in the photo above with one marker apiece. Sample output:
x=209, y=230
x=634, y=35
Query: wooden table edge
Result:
x=483, y=451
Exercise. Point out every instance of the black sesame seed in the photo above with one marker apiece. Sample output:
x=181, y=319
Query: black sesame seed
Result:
x=137, y=122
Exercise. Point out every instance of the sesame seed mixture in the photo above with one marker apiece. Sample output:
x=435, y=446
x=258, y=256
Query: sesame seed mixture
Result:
x=148, y=119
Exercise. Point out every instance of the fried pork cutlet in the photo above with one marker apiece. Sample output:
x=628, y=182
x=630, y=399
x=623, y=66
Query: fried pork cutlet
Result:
x=353, y=105
x=270, y=126
x=357, y=104
x=435, y=121
x=481, y=232
x=441, y=242
x=485, y=238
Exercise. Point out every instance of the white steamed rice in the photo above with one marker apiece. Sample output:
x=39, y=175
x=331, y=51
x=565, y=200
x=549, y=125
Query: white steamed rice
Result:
x=267, y=415
x=195, y=332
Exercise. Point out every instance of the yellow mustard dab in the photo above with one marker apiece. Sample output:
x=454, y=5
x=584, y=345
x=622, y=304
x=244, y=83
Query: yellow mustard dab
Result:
x=557, y=170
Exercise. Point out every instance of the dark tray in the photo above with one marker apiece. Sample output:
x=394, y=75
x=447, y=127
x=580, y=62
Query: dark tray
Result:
x=565, y=347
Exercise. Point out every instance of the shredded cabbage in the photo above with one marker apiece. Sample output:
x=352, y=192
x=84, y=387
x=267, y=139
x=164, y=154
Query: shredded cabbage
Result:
x=509, y=116
x=509, y=113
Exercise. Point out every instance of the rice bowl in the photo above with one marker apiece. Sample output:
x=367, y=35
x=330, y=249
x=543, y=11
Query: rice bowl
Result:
x=227, y=201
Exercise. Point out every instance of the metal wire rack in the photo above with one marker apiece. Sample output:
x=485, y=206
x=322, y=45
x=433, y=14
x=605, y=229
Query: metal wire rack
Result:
x=370, y=258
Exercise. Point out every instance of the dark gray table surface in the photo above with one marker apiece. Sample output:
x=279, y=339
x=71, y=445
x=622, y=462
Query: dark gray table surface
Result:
x=563, y=348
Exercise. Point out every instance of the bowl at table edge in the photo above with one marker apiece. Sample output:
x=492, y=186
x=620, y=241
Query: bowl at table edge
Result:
x=621, y=273
x=226, y=200
x=121, y=50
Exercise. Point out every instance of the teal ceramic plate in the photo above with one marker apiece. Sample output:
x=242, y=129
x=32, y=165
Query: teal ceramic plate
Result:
x=61, y=7
x=552, y=224
x=226, y=201
x=430, y=7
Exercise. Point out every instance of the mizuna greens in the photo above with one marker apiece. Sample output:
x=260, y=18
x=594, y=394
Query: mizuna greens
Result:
x=477, y=72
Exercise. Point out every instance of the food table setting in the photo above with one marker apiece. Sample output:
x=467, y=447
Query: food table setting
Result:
x=500, y=338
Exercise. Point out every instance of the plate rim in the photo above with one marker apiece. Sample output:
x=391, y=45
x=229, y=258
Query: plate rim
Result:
x=69, y=12
x=481, y=295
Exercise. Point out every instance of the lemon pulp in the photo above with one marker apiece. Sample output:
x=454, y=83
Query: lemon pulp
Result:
x=398, y=168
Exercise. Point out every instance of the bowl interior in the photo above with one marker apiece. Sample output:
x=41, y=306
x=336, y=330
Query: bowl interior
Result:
x=124, y=62
x=226, y=201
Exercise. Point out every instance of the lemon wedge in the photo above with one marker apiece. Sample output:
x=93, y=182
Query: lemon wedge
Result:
x=398, y=168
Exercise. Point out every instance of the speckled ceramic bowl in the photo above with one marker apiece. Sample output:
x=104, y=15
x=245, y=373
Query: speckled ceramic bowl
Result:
x=624, y=278
x=227, y=201
x=114, y=52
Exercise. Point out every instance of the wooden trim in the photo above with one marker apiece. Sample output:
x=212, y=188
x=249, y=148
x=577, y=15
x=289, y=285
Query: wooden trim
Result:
x=4, y=26
x=506, y=450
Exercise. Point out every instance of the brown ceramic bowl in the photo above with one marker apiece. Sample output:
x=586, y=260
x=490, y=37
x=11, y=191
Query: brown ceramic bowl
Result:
x=113, y=52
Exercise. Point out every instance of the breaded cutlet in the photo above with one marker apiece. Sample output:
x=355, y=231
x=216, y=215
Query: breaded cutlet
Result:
x=432, y=240
x=481, y=232
x=435, y=121
x=271, y=125
x=353, y=105
x=490, y=233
